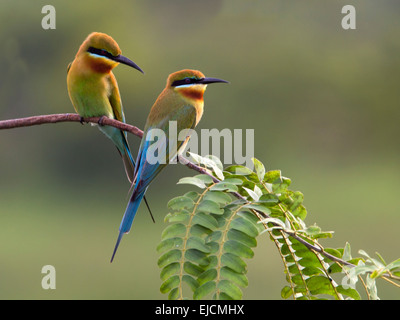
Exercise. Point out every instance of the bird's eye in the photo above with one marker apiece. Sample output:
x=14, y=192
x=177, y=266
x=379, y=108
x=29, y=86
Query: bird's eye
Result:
x=187, y=80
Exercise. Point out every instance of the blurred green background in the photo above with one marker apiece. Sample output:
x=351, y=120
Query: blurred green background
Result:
x=324, y=103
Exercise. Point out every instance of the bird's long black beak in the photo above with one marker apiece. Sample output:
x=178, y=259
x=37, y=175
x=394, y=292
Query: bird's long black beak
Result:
x=128, y=62
x=211, y=80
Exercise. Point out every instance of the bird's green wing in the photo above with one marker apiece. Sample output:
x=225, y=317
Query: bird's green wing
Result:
x=120, y=138
x=115, y=99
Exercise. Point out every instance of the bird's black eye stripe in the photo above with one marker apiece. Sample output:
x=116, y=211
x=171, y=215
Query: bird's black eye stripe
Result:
x=185, y=81
x=100, y=52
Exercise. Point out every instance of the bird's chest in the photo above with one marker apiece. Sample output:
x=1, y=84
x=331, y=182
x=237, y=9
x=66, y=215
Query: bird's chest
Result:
x=90, y=96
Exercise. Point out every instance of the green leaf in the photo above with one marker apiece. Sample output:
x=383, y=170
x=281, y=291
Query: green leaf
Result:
x=298, y=199
x=222, y=186
x=300, y=212
x=216, y=165
x=393, y=265
x=352, y=293
x=218, y=197
x=242, y=237
x=272, y=176
x=269, y=199
x=258, y=207
x=234, y=262
x=254, y=195
x=173, y=294
x=222, y=296
x=238, y=278
x=192, y=195
x=320, y=285
x=197, y=256
x=204, y=290
x=193, y=284
x=377, y=263
x=312, y=230
x=210, y=161
x=199, y=231
x=197, y=158
x=214, y=261
x=230, y=289
x=238, y=248
x=169, y=284
x=281, y=185
x=178, y=216
x=245, y=226
x=180, y=202
x=347, y=252
x=214, y=236
x=192, y=180
x=168, y=244
x=371, y=287
x=286, y=292
x=251, y=217
x=310, y=271
x=335, y=268
x=173, y=230
x=169, y=257
x=260, y=169
x=239, y=170
x=197, y=243
x=192, y=269
x=209, y=206
x=207, y=275
x=169, y=270
x=310, y=261
x=205, y=220
x=234, y=181
x=205, y=178
x=214, y=246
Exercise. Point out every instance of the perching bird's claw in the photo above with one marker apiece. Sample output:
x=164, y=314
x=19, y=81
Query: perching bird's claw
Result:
x=101, y=119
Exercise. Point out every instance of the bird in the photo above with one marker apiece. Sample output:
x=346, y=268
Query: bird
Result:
x=93, y=88
x=94, y=92
x=180, y=101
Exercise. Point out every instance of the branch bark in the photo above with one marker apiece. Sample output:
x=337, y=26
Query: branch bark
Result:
x=67, y=117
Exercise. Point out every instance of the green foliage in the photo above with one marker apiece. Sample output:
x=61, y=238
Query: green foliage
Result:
x=211, y=233
x=206, y=243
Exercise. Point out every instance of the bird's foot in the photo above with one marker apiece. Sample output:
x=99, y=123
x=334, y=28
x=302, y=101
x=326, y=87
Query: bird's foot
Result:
x=81, y=120
x=101, y=119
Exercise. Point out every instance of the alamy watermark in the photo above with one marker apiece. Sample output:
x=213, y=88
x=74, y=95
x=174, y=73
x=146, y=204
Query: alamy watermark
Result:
x=49, y=280
x=238, y=144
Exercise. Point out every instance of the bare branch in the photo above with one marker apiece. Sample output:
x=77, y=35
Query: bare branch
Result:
x=67, y=117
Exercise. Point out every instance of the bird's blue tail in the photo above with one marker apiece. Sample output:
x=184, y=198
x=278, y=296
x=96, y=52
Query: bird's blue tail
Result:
x=120, y=141
x=127, y=220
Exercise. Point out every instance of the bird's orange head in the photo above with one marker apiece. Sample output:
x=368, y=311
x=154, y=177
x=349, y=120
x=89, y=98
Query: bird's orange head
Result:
x=191, y=84
x=102, y=53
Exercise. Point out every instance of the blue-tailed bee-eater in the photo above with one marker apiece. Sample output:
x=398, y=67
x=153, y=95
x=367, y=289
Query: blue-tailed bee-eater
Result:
x=94, y=92
x=181, y=101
